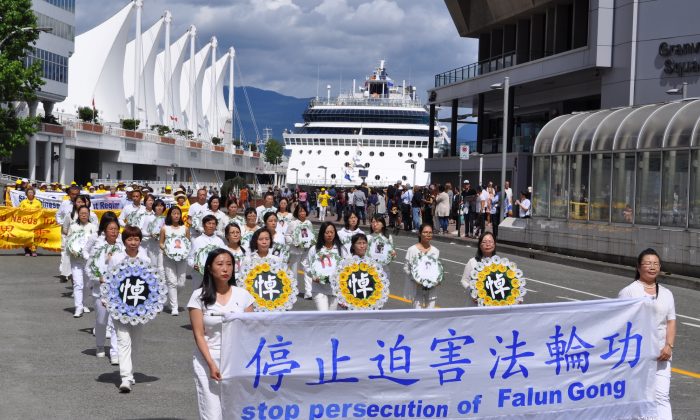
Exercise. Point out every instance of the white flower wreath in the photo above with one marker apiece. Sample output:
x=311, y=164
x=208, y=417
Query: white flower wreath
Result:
x=271, y=283
x=200, y=257
x=177, y=251
x=281, y=251
x=97, y=266
x=133, y=292
x=134, y=218
x=305, y=240
x=153, y=228
x=76, y=241
x=369, y=291
x=381, y=249
x=427, y=270
x=323, y=265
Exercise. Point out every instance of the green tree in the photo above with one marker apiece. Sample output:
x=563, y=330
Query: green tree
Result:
x=273, y=151
x=18, y=83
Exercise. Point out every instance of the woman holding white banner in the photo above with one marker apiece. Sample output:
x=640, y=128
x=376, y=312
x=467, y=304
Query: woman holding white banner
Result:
x=217, y=296
x=486, y=248
x=422, y=291
x=646, y=285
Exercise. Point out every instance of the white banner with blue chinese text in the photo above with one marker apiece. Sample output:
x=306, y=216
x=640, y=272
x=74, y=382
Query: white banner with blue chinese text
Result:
x=586, y=360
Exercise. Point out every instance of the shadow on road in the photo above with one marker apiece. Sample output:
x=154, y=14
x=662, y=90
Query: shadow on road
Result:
x=114, y=378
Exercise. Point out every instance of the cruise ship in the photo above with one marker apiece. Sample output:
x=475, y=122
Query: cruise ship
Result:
x=376, y=134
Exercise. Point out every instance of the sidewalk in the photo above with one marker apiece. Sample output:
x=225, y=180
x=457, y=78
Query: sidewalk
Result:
x=536, y=254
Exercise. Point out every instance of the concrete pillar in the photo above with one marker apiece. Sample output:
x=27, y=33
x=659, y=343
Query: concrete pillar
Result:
x=47, y=161
x=453, y=128
x=48, y=108
x=62, y=163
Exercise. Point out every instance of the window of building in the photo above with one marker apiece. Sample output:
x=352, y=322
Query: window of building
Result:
x=129, y=146
x=58, y=28
x=68, y=5
x=54, y=67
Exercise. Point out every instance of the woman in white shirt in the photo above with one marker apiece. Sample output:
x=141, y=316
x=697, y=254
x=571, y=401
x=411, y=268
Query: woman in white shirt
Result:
x=174, y=272
x=207, y=238
x=486, y=248
x=233, y=239
x=232, y=215
x=300, y=250
x=352, y=227
x=422, y=297
x=78, y=258
x=251, y=225
x=322, y=293
x=646, y=285
x=214, y=208
x=217, y=296
x=284, y=217
x=524, y=205
x=279, y=241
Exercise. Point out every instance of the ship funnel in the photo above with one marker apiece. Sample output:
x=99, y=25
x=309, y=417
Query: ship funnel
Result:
x=381, y=64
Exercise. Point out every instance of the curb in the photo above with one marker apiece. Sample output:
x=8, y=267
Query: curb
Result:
x=587, y=264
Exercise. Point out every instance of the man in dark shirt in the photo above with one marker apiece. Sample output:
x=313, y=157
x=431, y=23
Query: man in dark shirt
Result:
x=469, y=202
x=416, y=203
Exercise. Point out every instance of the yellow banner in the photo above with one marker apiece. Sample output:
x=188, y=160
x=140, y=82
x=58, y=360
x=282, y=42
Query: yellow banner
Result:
x=21, y=228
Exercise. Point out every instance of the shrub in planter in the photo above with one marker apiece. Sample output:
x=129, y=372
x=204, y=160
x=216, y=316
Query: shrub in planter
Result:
x=237, y=143
x=161, y=129
x=87, y=114
x=216, y=140
x=130, y=124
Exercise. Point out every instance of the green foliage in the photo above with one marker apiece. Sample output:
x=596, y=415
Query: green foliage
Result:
x=50, y=119
x=184, y=133
x=253, y=147
x=162, y=129
x=231, y=184
x=130, y=124
x=237, y=143
x=85, y=113
x=17, y=82
x=273, y=151
x=216, y=140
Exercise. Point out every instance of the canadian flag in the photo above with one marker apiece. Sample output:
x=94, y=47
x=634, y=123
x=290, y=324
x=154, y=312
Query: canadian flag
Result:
x=93, y=102
x=173, y=118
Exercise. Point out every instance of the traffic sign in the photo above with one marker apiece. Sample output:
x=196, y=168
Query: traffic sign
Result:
x=464, y=152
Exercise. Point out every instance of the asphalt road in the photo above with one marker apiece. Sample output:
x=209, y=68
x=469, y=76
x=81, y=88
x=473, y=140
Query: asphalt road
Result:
x=49, y=368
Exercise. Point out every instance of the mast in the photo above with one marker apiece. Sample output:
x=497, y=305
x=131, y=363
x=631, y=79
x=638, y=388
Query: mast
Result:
x=193, y=84
x=137, y=61
x=167, y=80
x=212, y=99
x=232, y=54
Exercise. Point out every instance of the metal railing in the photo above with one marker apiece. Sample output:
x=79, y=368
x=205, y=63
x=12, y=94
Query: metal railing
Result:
x=475, y=69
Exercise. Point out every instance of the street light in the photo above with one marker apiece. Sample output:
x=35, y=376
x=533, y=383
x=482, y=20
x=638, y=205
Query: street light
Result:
x=325, y=169
x=682, y=91
x=25, y=29
x=481, y=165
x=504, y=144
x=414, y=163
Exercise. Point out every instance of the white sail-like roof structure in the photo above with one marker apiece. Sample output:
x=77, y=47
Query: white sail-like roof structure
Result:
x=148, y=78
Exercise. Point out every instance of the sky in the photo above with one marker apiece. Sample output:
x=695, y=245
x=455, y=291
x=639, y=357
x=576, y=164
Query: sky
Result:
x=295, y=46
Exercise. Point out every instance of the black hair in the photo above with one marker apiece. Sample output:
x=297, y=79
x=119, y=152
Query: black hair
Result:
x=356, y=237
x=231, y=201
x=269, y=194
x=107, y=218
x=75, y=209
x=268, y=215
x=479, y=254
x=208, y=295
x=214, y=197
x=441, y=188
x=320, y=242
x=256, y=235
x=169, y=217
x=347, y=219
x=247, y=212
x=280, y=201
x=130, y=232
x=83, y=207
x=209, y=218
x=381, y=220
x=159, y=202
x=648, y=251
x=228, y=228
x=423, y=226
x=297, y=209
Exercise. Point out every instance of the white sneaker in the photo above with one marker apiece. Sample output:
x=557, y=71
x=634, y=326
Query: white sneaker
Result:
x=86, y=310
x=78, y=313
x=174, y=313
x=125, y=386
x=114, y=360
x=100, y=352
x=93, y=332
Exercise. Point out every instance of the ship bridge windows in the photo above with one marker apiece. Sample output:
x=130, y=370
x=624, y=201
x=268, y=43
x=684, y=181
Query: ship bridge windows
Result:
x=403, y=132
x=366, y=115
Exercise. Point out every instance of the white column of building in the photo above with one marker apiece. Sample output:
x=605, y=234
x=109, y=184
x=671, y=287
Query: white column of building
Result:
x=47, y=161
x=32, y=143
x=62, y=162
x=232, y=55
x=193, y=78
x=213, y=115
x=137, y=60
x=167, y=85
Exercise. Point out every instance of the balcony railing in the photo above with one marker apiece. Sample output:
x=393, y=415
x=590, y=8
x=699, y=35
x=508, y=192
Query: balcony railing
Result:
x=476, y=69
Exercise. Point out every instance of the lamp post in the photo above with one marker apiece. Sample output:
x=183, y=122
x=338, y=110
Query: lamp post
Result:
x=683, y=91
x=414, y=163
x=504, y=144
x=325, y=171
x=25, y=29
x=481, y=164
